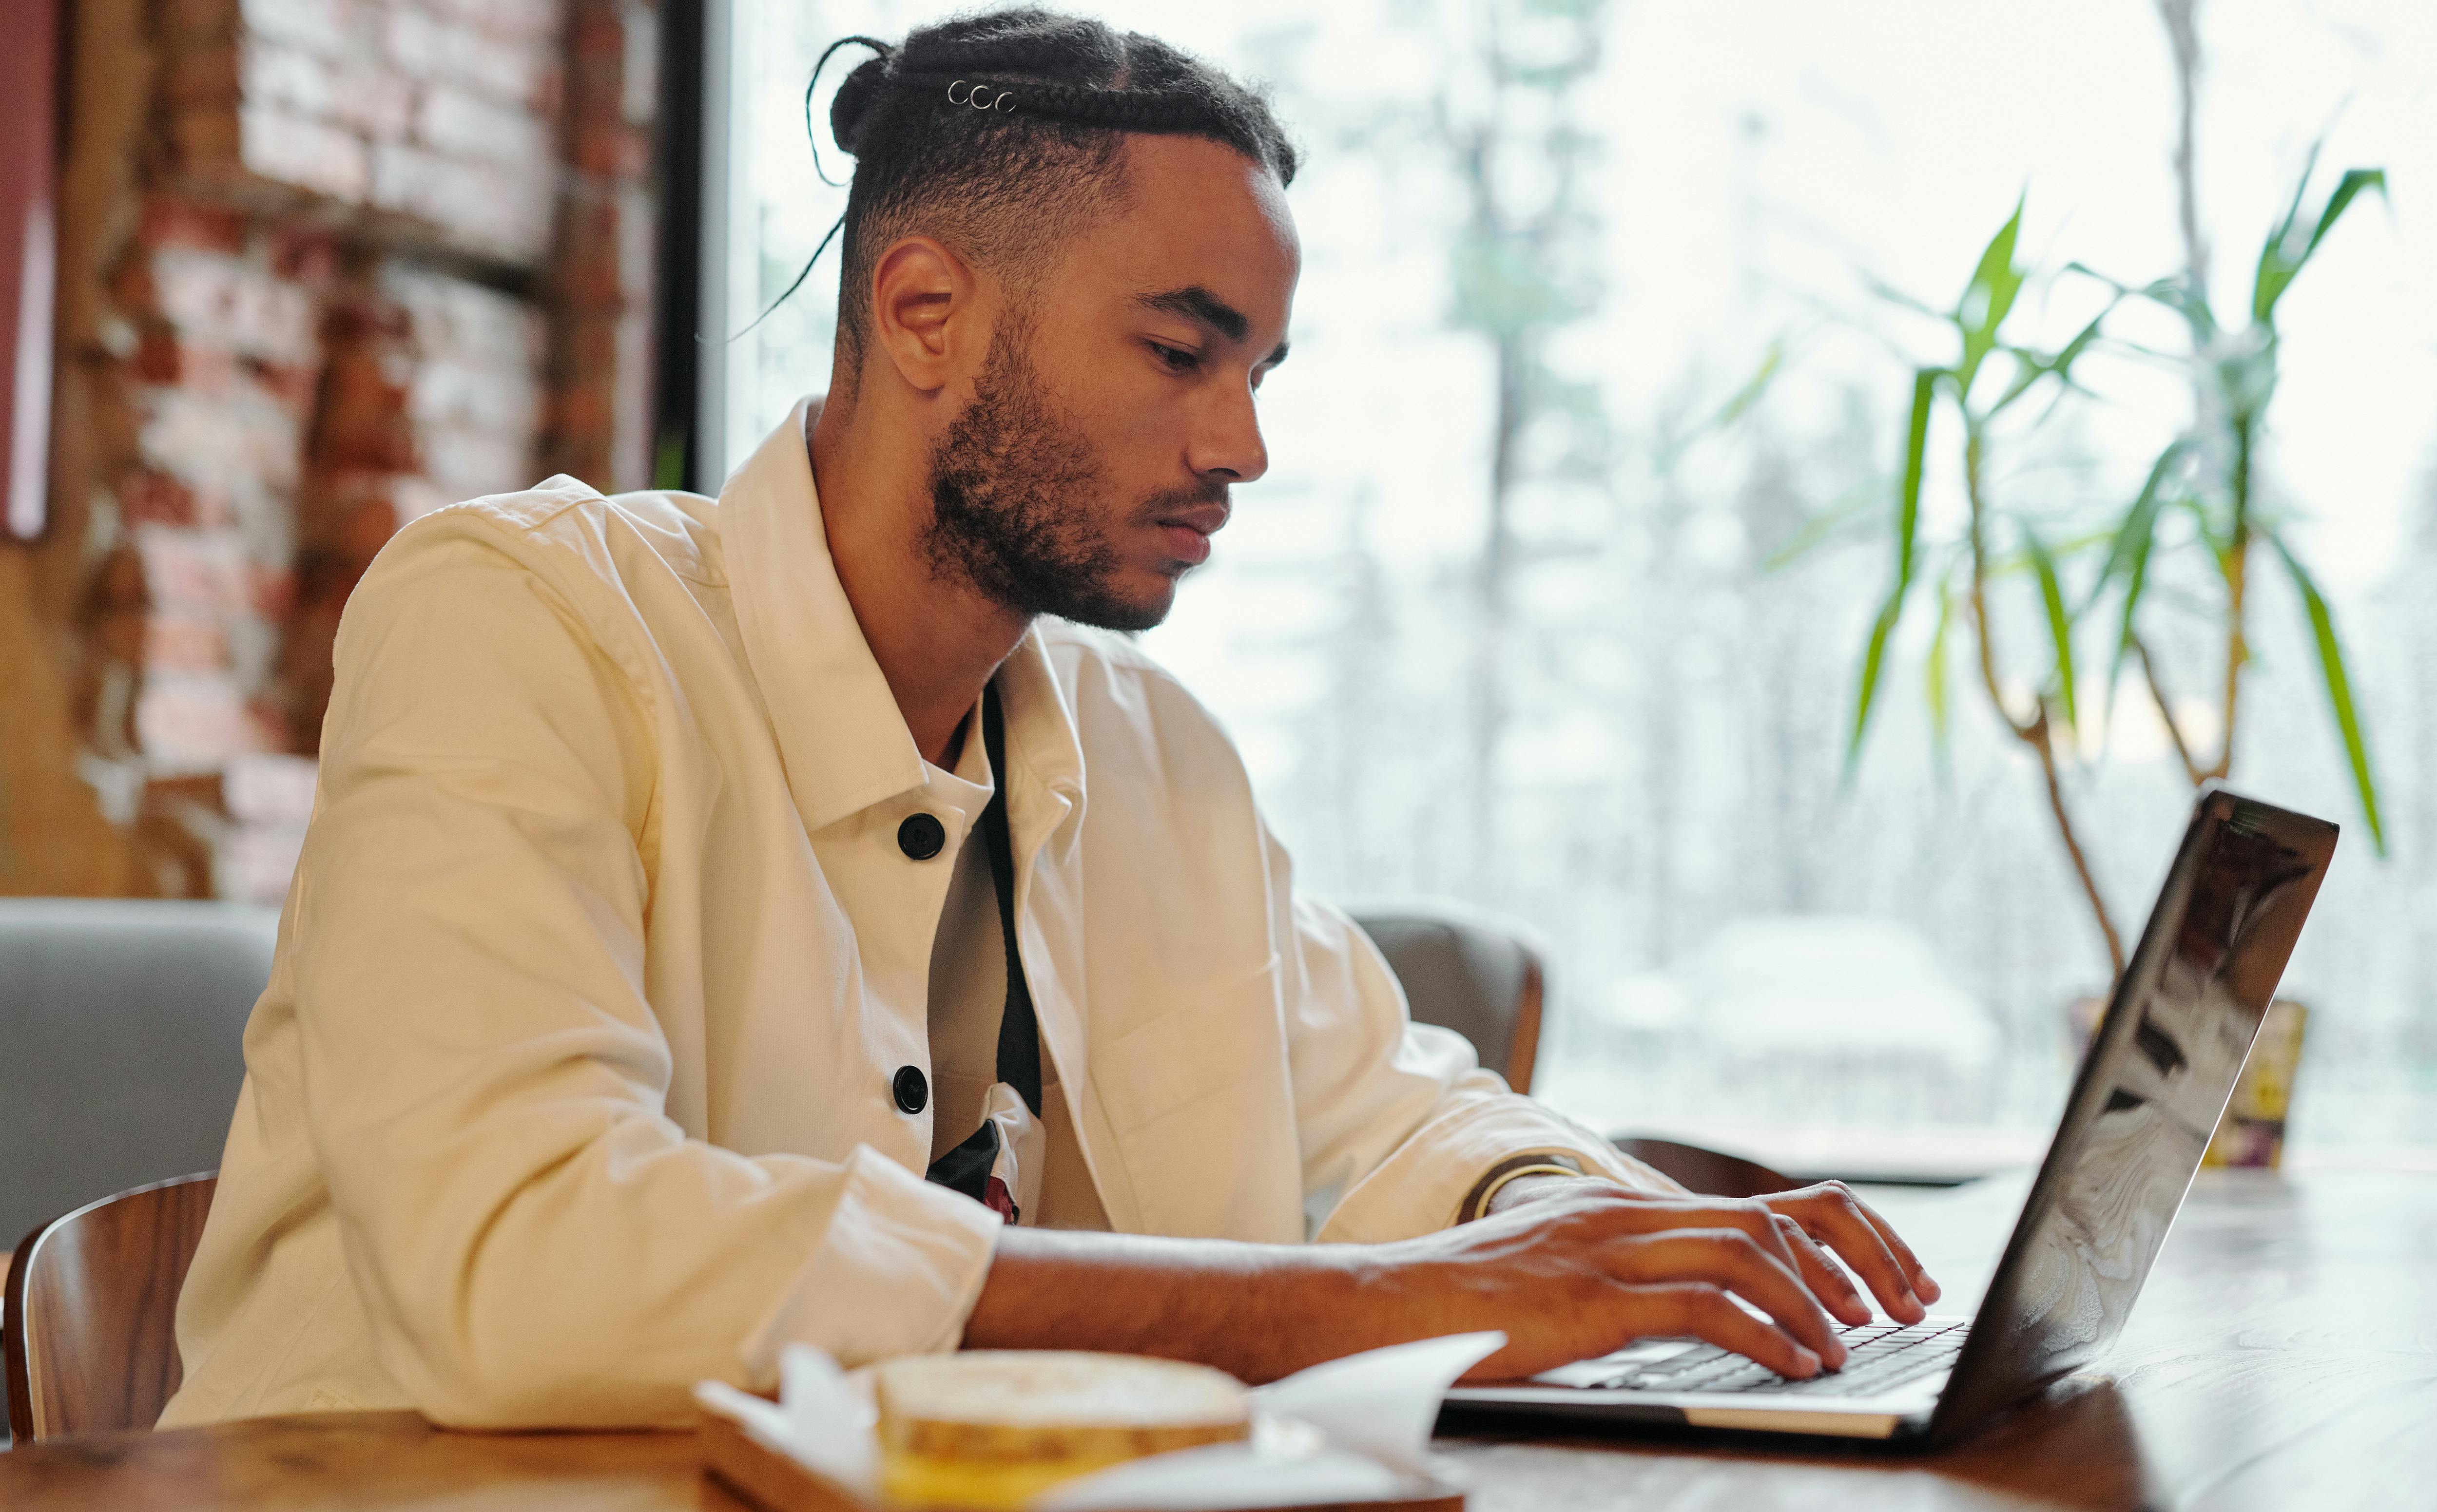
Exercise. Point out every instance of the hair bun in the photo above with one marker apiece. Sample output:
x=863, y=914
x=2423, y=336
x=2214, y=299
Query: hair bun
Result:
x=853, y=103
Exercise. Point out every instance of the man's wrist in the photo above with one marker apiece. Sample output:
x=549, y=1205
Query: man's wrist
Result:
x=1484, y=1199
x=1541, y=1184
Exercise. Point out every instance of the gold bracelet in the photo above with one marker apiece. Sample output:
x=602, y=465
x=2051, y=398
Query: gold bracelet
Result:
x=1540, y=1163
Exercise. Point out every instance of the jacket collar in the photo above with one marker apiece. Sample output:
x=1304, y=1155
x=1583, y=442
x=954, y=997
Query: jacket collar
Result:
x=1045, y=755
x=840, y=734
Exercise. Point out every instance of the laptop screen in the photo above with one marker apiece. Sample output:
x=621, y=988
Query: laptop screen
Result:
x=2157, y=1076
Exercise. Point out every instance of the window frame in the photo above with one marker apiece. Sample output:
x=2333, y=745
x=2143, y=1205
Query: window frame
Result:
x=30, y=139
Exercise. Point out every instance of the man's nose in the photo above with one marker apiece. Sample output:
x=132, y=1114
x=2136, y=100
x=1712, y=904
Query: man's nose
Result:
x=1227, y=445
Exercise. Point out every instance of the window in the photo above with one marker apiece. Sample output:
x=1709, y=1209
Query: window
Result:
x=1612, y=695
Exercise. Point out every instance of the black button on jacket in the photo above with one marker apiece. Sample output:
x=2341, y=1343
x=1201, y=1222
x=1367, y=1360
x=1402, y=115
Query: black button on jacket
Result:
x=922, y=836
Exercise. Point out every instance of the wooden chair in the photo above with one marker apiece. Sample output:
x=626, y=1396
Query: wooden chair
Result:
x=1466, y=970
x=123, y=1022
x=92, y=1341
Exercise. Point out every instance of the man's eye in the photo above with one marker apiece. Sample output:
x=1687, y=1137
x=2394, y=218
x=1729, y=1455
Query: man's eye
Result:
x=1177, y=358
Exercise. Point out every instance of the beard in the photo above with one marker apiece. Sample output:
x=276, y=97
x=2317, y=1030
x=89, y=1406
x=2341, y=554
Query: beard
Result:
x=1013, y=485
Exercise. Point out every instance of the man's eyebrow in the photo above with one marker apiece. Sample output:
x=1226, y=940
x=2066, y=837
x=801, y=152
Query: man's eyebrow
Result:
x=1195, y=303
x=1198, y=304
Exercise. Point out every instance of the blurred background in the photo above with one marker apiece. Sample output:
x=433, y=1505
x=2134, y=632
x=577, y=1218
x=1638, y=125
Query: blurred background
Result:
x=1684, y=397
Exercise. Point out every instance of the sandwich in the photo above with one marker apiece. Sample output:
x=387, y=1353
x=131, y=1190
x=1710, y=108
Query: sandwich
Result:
x=987, y=1429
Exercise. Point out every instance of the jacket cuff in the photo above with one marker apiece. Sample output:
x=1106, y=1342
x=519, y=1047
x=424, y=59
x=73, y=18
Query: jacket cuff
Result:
x=896, y=1271
x=1422, y=1188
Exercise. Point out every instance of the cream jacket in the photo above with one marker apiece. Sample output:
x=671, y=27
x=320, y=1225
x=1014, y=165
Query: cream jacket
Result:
x=572, y=1083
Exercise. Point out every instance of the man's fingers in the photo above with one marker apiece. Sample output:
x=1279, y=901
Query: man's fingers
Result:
x=1838, y=1220
x=1731, y=1259
x=1690, y=1310
x=1751, y=1217
x=1826, y=1279
x=1923, y=1287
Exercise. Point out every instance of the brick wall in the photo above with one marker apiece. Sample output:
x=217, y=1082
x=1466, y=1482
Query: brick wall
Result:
x=325, y=264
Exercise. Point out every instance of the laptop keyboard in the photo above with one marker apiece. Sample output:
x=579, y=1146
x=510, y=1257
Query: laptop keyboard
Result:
x=1883, y=1355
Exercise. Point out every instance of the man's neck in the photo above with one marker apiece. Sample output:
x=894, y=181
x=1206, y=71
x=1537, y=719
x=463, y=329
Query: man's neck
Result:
x=936, y=640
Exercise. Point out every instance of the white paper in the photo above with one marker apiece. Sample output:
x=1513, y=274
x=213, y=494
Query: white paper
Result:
x=823, y=1419
x=1351, y=1429
x=1382, y=1403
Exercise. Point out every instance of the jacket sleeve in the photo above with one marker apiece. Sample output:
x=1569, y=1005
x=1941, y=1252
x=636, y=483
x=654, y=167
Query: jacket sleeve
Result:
x=1397, y=1121
x=535, y=1241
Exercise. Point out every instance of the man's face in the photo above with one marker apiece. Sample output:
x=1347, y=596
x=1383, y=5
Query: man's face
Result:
x=1114, y=409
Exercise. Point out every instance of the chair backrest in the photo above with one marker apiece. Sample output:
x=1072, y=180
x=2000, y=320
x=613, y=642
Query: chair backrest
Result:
x=1712, y=1172
x=122, y=1026
x=1466, y=970
x=1482, y=976
x=92, y=1311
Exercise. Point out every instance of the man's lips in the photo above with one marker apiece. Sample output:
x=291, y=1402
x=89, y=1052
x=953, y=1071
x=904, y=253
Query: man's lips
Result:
x=1187, y=533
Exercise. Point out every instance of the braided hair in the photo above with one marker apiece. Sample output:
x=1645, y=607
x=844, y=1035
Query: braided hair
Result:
x=999, y=130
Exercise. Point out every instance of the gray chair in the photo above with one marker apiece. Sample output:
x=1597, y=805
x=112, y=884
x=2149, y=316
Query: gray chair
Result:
x=1466, y=970
x=1480, y=975
x=121, y=1044
x=121, y=1029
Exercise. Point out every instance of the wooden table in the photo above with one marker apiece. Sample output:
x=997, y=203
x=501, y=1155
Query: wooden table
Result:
x=2284, y=1356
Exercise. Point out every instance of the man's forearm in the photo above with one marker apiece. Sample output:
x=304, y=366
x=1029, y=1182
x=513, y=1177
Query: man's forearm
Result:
x=1257, y=1312
x=1567, y=1267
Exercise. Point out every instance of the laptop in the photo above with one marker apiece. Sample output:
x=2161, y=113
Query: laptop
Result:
x=2157, y=1076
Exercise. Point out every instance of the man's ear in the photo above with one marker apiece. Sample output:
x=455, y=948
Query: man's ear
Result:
x=924, y=301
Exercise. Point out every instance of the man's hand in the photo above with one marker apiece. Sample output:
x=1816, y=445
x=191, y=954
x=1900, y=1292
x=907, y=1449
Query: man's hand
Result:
x=1579, y=1268
x=1569, y=1268
x=1811, y=1220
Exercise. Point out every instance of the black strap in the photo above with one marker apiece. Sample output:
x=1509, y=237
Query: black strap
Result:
x=966, y=1168
x=1019, y=1031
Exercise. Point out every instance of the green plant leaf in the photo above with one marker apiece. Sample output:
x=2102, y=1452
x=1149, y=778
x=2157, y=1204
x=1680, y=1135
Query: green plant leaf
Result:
x=1988, y=299
x=2140, y=519
x=2216, y=541
x=2347, y=189
x=1771, y=361
x=1907, y=532
x=1896, y=295
x=2031, y=366
x=2119, y=290
x=2272, y=252
x=2136, y=581
x=2059, y=622
x=2061, y=364
x=1874, y=658
x=1924, y=396
x=2127, y=557
x=2175, y=293
x=2338, y=684
x=2281, y=259
x=1935, y=687
x=1819, y=528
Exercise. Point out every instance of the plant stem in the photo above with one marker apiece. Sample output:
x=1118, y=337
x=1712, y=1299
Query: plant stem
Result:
x=1979, y=539
x=2237, y=555
x=2042, y=737
x=2039, y=731
x=2184, y=40
x=2166, y=714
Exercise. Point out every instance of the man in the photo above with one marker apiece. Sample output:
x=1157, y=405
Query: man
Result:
x=688, y=878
